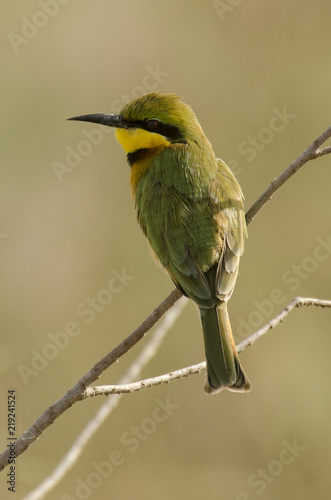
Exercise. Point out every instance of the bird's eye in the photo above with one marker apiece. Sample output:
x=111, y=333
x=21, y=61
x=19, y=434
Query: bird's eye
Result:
x=152, y=124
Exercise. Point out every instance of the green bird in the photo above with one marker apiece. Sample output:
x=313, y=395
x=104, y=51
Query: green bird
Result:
x=190, y=207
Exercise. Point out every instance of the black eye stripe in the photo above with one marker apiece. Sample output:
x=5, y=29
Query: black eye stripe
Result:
x=170, y=131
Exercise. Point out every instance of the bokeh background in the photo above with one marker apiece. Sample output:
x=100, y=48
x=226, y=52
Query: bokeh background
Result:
x=238, y=64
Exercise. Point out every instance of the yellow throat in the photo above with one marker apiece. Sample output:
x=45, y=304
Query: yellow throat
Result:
x=135, y=139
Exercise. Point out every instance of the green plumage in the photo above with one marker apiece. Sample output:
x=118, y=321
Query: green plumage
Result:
x=190, y=207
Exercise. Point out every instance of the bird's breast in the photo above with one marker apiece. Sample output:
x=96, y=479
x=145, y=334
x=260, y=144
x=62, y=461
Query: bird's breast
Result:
x=140, y=162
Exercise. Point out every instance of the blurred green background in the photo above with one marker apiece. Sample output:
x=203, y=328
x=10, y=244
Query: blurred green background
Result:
x=238, y=64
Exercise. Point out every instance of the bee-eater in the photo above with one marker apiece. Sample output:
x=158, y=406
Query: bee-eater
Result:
x=190, y=207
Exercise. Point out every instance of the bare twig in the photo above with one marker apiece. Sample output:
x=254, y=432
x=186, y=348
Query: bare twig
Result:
x=76, y=393
x=296, y=302
x=105, y=390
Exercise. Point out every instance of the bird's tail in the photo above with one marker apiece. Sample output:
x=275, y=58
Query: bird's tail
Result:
x=223, y=366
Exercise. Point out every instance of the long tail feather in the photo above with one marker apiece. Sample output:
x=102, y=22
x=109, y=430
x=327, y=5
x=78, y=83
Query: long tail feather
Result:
x=223, y=366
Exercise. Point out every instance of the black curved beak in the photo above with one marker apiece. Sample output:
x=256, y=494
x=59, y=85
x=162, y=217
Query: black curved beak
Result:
x=116, y=121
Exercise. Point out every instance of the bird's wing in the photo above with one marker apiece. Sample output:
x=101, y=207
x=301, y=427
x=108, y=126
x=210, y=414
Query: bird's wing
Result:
x=233, y=247
x=231, y=222
x=163, y=215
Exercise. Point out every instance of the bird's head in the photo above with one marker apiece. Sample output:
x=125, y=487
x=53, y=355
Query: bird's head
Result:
x=155, y=120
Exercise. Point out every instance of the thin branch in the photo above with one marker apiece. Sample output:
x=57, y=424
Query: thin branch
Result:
x=296, y=302
x=71, y=457
x=105, y=390
x=76, y=393
x=323, y=151
x=312, y=152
